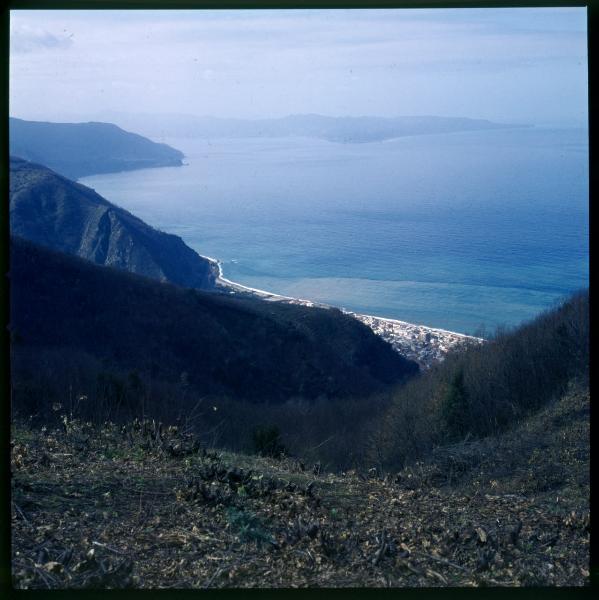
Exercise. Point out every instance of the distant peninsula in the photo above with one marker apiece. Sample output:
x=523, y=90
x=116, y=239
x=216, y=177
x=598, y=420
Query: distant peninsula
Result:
x=334, y=129
x=79, y=149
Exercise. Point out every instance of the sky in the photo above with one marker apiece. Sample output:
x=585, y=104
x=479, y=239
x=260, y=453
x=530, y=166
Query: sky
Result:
x=515, y=65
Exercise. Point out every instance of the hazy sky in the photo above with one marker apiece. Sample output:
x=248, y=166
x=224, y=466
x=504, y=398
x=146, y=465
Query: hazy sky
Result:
x=524, y=65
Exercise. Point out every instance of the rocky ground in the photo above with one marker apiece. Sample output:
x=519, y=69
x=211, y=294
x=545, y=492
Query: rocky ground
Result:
x=145, y=507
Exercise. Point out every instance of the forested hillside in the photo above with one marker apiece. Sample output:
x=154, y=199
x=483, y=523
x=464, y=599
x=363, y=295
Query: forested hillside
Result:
x=487, y=389
x=91, y=322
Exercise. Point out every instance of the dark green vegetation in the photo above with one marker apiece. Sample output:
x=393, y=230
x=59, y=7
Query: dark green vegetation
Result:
x=135, y=346
x=79, y=149
x=486, y=389
x=132, y=347
x=49, y=209
x=267, y=442
x=137, y=506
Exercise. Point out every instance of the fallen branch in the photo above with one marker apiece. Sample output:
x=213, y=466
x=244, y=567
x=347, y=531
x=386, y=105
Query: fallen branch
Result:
x=18, y=509
x=382, y=548
x=100, y=545
x=443, y=561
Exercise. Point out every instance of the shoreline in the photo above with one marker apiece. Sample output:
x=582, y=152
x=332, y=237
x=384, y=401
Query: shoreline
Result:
x=420, y=343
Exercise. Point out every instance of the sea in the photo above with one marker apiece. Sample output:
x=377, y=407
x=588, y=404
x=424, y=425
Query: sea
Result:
x=463, y=231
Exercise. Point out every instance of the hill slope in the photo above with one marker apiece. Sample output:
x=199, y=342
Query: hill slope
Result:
x=50, y=210
x=242, y=347
x=228, y=520
x=485, y=389
x=79, y=149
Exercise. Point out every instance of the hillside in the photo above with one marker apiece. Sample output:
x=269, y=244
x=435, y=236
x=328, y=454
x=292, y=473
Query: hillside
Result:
x=79, y=149
x=106, y=325
x=53, y=211
x=112, y=507
x=485, y=389
x=333, y=129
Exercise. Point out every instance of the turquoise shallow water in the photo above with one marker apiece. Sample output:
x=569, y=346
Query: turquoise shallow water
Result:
x=451, y=231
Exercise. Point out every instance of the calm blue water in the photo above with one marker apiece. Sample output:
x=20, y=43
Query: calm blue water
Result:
x=451, y=231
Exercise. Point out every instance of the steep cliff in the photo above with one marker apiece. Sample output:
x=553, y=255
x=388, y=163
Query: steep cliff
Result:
x=50, y=210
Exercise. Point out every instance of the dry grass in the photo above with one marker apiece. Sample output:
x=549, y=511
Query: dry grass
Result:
x=107, y=508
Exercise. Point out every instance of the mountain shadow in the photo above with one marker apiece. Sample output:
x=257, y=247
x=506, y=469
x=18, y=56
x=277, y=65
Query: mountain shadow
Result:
x=242, y=348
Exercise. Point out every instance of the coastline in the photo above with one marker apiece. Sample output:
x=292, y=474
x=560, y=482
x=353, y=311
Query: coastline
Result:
x=420, y=343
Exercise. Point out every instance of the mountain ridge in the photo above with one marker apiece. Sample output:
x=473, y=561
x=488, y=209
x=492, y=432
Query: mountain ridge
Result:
x=79, y=149
x=51, y=210
x=360, y=129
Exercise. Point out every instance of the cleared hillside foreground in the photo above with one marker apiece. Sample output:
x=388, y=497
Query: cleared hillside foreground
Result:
x=114, y=507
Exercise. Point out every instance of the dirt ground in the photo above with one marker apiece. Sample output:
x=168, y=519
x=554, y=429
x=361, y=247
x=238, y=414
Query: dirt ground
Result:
x=134, y=507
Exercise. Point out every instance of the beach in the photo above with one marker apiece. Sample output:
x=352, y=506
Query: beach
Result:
x=424, y=345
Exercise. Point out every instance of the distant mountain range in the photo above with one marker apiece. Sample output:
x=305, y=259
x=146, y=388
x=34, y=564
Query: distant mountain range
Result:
x=73, y=312
x=53, y=211
x=79, y=149
x=334, y=129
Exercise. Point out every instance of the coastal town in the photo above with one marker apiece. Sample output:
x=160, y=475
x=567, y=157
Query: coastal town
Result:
x=424, y=345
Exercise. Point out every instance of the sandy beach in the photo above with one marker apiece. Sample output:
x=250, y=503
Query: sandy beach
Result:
x=422, y=344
